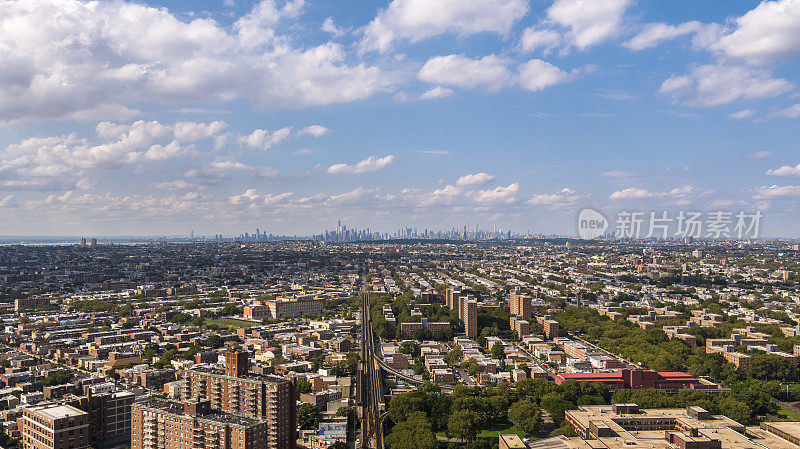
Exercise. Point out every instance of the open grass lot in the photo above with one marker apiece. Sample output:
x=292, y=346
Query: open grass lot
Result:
x=498, y=428
x=232, y=323
x=494, y=431
x=789, y=414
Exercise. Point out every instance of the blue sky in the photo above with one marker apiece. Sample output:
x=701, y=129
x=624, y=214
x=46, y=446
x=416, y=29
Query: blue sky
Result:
x=223, y=116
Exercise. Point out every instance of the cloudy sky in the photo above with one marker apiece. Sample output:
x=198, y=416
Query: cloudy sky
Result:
x=222, y=116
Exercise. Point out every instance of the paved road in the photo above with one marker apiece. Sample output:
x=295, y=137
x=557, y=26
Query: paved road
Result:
x=534, y=360
x=603, y=351
x=465, y=377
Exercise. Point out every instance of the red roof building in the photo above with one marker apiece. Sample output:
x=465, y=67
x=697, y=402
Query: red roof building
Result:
x=635, y=379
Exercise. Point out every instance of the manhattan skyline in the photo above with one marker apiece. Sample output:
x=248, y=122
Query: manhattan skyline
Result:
x=153, y=118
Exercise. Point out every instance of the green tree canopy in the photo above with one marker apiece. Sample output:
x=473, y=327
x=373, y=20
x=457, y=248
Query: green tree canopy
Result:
x=215, y=341
x=526, y=416
x=302, y=386
x=307, y=417
x=413, y=433
x=454, y=355
x=497, y=351
x=464, y=425
x=556, y=405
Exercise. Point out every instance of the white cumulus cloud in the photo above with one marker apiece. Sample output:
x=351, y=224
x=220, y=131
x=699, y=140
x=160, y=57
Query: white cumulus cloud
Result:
x=713, y=85
x=534, y=38
x=436, y=92
x=537, y=75
x=786, y=170
x=500, y=194
x=563, y=196
x=776, y=191
x=475, y=179
x=743, y=114
x=589, y=22
x=491, y=71
x=656, y=33
x=415, y=20
x=314, y=130
x=635, y=193
x=367, y=165
x=263, y=140
x=768, y=32
x=329, y=26
x=790, y=112
x=81, y=60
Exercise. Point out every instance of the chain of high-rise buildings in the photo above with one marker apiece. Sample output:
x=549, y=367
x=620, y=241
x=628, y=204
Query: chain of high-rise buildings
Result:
x=344, y=234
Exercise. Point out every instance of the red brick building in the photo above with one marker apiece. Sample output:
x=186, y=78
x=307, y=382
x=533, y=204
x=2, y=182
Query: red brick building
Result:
x=237, y=390
x=635, y=379
x=158, y=424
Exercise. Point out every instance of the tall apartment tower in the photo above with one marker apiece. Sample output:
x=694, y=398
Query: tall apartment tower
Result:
x=451, y=298
x=471, y=319
x=463, y=300
x=235, y=390
x=521, y=305
x=159, y=424
x=550, y=329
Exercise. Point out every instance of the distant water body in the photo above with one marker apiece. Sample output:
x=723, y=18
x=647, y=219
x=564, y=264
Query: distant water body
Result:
x=70, y=240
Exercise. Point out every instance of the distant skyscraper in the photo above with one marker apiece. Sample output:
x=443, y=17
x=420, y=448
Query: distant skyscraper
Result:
x=93, y=242
x=83, y=242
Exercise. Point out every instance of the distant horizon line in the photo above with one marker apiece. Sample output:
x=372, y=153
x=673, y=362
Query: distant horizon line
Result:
x=10, y=238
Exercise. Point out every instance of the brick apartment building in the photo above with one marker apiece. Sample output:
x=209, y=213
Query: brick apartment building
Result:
x=520, y=326
x=235, y=389
x=109, y=416
x=470, y=318
x=521, y=305
x=109, y=411
x=452, y=298
x=159, y=424
x=285, y=308
x=54, y=426
x=550, y=329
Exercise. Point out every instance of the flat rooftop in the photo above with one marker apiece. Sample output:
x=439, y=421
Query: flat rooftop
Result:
x=218, y=370
x=58, y=411
x=790, y=428
x=176, y=408
x=624, y=434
